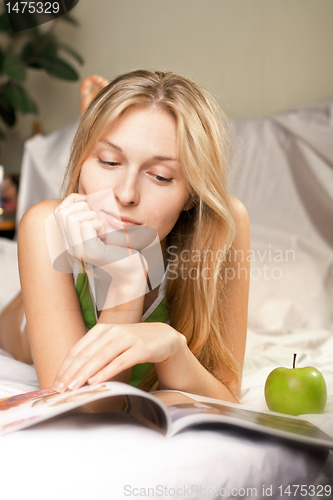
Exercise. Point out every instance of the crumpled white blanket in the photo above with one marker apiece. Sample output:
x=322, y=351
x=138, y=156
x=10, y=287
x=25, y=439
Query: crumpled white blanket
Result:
x=117, y=453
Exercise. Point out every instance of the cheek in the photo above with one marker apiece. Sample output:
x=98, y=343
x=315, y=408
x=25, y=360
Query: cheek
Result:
x=168, y=215
x=171, y=205
x=89, y=182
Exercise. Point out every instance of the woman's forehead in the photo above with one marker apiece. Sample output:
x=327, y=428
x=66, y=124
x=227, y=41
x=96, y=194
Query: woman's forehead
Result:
x=153, y=128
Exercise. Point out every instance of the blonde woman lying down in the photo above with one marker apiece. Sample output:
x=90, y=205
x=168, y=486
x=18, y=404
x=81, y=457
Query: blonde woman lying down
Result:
x=159, y=143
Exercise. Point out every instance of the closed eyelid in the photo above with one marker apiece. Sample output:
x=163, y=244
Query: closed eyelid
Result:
x=161, y=178
x=111, y=163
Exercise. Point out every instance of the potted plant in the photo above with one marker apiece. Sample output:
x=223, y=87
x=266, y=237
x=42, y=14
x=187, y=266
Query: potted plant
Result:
x=36, y=49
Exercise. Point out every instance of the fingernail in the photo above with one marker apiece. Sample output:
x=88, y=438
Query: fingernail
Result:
x=59, y=386
x=73, y=385
x=92, y=380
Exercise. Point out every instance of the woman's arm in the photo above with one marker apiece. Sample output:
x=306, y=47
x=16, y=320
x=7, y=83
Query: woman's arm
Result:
x=54, y=317
x=51, y=306
x=183, y=371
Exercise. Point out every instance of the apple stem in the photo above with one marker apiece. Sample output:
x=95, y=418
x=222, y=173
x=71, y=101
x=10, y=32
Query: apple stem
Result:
x=294, y=361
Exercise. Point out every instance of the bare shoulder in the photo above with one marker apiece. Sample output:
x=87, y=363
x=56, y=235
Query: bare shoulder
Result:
x=34, y=218
x=31, y=231
x=39, y=211
x=242, y=221
x=239, y=210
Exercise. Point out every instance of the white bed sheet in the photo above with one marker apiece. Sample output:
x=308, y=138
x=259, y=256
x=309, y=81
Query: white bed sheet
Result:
x=87, y=456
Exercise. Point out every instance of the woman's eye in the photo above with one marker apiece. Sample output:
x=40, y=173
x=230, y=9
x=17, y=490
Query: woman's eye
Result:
x=109, y=163
x=161, y=179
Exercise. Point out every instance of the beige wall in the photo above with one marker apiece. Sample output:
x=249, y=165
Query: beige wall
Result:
x=257, y=56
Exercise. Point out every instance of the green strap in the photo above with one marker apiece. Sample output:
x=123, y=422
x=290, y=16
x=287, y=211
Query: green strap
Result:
x=85, y=300
x=159, y=315
x=88, y=313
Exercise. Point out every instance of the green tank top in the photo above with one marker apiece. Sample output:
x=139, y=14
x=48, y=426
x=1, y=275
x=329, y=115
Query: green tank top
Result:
x=159, y=315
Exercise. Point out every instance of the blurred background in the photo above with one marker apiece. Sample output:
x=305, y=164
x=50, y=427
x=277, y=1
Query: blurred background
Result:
x=257, y=57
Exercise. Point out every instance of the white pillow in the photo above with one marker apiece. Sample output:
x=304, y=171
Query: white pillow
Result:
x=291, y=282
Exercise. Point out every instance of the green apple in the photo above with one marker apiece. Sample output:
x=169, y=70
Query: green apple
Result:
x=296, y=391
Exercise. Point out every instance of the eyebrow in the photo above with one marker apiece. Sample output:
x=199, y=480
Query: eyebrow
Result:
x=157, y=157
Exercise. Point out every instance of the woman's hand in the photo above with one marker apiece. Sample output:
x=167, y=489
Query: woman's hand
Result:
x=69, y=215
x=80, y=230
x=107, y=350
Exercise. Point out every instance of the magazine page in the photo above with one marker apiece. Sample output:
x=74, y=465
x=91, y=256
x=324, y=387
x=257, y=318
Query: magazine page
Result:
x=23, y=410
x=147, y=411
x=186, y=412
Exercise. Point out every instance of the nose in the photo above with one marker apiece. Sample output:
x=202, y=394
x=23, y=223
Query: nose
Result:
x=127, y=190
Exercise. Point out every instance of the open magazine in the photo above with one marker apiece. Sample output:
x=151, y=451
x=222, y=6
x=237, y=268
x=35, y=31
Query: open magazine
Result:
x=167, y=412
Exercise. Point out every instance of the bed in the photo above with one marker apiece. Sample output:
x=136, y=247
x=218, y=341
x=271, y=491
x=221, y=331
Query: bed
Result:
x=283, y=173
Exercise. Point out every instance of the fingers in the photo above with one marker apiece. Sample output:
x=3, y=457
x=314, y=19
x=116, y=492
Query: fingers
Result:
x=72, y=198
x=77, y=357
x=108, y=350
x=85, y=361
x=75, y=223
x=90, y=228
x=72, y=204
x=118, y=365
x=79, y=228
x=71, y=215
x=92, y=335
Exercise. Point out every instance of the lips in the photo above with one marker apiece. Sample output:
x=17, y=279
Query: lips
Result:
x=116, y=222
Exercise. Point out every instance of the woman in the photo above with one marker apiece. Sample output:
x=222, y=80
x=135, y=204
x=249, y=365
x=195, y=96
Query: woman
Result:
x=157, y=141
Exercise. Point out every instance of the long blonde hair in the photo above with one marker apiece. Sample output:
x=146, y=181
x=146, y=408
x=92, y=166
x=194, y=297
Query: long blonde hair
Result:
x=195, y=306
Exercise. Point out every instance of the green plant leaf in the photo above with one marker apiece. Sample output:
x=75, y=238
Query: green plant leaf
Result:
x=4, y=23
x=31, y=53
x=69, y=19
x=72, y=52
x=2, y=57
x=58, y=67
x=27, y=51
x=14, y=68
x=7, y=112
x=49, y=50
x=19, y=99
x=40, y=42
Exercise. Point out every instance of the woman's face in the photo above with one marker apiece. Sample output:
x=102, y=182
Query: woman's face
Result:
x=138, y=160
